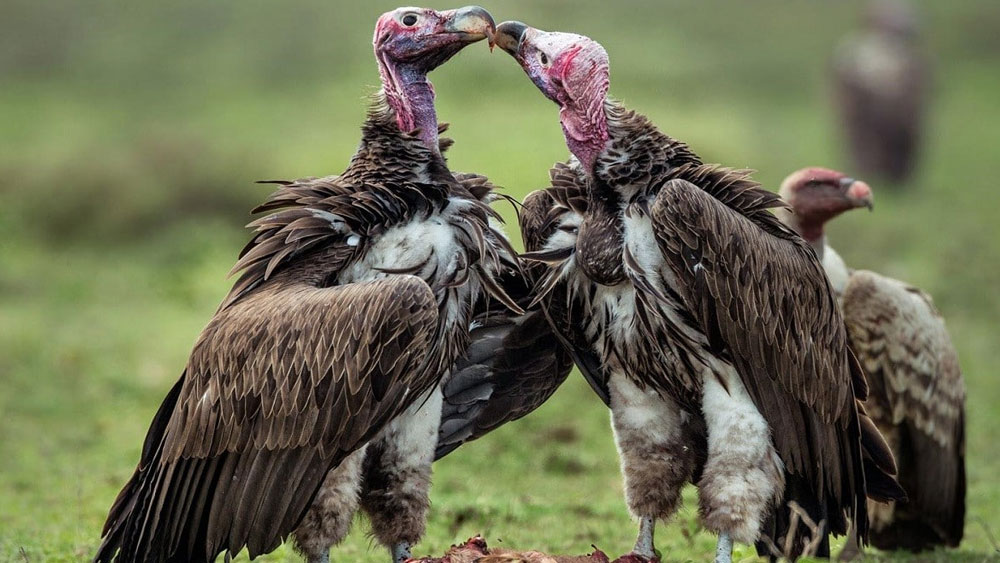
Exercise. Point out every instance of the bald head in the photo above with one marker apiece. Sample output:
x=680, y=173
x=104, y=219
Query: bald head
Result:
x=571, y=70
x=817, y=195
x=426, y=38
x=411, y=42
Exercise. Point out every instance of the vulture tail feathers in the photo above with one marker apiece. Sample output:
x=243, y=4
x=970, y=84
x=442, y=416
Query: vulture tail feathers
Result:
x=874, y=446
x=880, y=485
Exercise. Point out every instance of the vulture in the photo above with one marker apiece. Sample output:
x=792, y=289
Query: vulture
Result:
x=315, y=388
x=880, y=80
x=917, y=396
x=706, y=325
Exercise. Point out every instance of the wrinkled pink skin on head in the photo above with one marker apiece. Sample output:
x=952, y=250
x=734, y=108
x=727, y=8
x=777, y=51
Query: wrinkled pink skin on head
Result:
x=820, y=194
x=575, y=74
x=405, y=55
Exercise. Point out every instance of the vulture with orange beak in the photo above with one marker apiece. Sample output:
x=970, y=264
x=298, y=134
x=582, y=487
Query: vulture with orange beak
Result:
x=316, y=385
x=707, y=325
x=917, y=394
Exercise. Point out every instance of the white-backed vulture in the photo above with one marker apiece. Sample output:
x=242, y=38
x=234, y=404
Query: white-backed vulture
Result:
x=917, y=393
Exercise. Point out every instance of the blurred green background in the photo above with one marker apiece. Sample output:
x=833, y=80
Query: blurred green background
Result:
x=131, y=134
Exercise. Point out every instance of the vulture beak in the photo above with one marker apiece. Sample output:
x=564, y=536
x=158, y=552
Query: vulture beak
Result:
x=858, y=193
x=509, y=35
x=473, y=22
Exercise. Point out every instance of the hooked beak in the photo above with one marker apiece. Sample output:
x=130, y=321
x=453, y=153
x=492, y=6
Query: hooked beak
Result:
x=858, y=193
x=509, y=35
x=474, y=23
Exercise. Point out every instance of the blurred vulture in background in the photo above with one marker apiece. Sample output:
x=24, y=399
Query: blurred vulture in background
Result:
x=315, y=387
x=706, y=325
x=881, y=90
x=917, y=394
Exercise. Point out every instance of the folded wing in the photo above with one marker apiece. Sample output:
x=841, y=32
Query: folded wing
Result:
x=281, y=386
x=763, y=301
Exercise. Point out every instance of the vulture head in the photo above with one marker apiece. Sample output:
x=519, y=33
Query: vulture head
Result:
x=817, y=195
x=571, y=70
x=411, y=42
x=422, y=39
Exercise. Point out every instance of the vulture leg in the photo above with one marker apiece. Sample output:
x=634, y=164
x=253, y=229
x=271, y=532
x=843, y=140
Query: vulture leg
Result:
x=656, y=460
x=724, y=549
x=329, y=518
x=397, y=476
x=644, y=544
x=743, y=476
x=401, y=552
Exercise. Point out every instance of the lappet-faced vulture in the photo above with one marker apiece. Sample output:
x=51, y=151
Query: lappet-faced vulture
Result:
x=321, y=369
x=707, y=325
x=917, y=394
x=881, y=83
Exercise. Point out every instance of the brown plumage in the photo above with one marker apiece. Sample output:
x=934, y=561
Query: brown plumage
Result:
x=881, y=81
x=918, y=400
x=279, y=388
x=513, y=364
x=917, y=393
x=296, y=370
x=748, y=298
x=323, y=363
x=707, y=325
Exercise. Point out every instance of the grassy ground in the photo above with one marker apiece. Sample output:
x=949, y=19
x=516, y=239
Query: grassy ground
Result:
x=131, y=136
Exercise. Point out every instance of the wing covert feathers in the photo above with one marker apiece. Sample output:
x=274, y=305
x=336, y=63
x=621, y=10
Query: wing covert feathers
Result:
x=280, y=387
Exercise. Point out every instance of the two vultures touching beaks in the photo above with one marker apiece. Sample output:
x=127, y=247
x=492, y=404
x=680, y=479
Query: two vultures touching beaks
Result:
x=381, y=319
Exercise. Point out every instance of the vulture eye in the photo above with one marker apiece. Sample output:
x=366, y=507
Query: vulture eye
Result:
x=409, y=20
x=543, y=59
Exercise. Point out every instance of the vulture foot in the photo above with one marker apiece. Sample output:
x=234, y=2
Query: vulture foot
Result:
x=324, y=558
x=724, y=549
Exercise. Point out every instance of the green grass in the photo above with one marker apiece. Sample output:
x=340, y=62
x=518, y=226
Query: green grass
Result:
x=131, y=136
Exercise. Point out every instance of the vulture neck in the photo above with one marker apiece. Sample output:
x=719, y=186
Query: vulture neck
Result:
x=810, y=230
x=411, y=97
x=585, y=127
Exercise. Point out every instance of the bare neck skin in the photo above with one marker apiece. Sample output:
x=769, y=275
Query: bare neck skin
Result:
x=586, y=131
x=411, y=97
x=811, y=231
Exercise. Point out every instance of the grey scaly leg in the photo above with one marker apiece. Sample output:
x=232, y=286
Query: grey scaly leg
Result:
x=644, y=543
x=324, y=558
x=724, y=549
x=400, y=552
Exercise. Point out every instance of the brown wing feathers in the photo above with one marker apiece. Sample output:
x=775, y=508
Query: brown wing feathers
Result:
x=918, y=399
x=756, y=287
x=280, y=387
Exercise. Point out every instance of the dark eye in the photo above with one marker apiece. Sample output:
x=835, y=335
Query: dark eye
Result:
x=409, y=19
x=543, y=58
